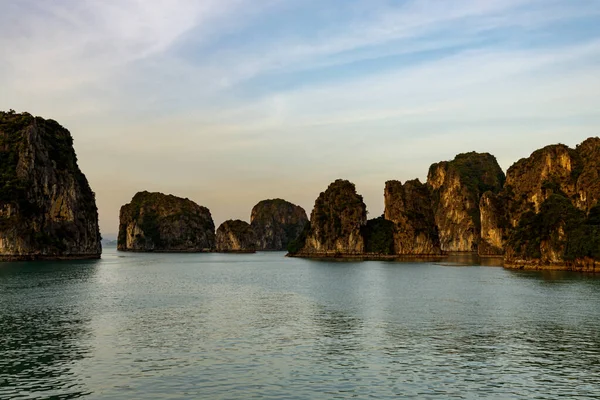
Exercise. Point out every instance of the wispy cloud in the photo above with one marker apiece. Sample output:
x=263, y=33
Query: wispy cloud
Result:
x=61, y=46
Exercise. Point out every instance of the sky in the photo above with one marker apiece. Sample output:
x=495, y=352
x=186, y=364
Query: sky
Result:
x=229, y=102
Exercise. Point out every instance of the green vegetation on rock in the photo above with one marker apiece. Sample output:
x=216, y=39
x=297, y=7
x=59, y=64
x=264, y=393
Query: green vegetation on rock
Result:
x=298, y=244
x=562, y=227
x=479, y=172
x=379, y=236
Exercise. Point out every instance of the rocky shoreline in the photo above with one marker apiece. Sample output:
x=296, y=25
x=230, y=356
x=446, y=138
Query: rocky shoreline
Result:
x=42, y=257
x=582, y=265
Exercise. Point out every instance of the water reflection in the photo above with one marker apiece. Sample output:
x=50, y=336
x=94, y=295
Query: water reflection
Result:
x=471, y=259
x=557, y=276
x=338, y=332
x=44, y=329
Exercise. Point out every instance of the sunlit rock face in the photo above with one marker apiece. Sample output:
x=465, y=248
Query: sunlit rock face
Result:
x=456, y=189
x=336, y=221
x=276, y=223
x=587, y=174
x=47, y=208
x=165, y=223
x=492, y=213
x=236, y=236
x=551, y=207
x=409, y=207
x=530, y=181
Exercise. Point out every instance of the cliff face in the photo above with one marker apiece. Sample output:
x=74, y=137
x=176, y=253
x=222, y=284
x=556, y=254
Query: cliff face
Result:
x=408, y=206
x=456, y=189
x=159, y=222
x=336, y=222
x=551, y=207
x=235, y=236
x=47, y=208
x=494, y=224
x=587, y=174
x=276, y=223
x=530, y=181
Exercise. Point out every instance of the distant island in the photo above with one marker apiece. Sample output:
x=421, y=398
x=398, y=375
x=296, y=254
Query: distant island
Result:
x=543, y=214
x=165, y=223
x=155, y=222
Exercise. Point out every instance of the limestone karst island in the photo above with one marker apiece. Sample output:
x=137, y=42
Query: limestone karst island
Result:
x=47, y=208
x=543, y=214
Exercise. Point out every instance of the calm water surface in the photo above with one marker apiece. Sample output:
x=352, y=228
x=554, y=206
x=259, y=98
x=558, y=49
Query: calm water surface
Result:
x=159, y=326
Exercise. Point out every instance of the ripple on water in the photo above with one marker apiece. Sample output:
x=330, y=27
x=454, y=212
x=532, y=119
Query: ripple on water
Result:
x=263, y=326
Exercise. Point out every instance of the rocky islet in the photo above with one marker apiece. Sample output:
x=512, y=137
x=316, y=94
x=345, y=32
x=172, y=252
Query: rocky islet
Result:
x=276, y=223
x=47, y=208
x=165, y=223
x=235, y=236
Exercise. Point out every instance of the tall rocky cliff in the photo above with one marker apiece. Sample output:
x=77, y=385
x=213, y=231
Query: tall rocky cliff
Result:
x=47, y=208
x=336, y=222
x=456, y=189
x=236, y=236
x=165, y=223
x=409, y=207
x=551, y=207
x=276, y=223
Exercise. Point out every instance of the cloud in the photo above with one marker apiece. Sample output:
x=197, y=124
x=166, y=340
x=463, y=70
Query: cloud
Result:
x=415, y=27
x=63, y=49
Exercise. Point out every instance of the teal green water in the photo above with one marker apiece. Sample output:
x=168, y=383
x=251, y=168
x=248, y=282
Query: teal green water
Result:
x=218, y=326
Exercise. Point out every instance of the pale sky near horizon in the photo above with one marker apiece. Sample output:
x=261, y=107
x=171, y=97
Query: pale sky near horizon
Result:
x=229, y=102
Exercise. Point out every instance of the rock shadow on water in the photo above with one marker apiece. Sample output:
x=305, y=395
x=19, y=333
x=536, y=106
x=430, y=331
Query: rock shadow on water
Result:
x=470, y=260
x=558, y=277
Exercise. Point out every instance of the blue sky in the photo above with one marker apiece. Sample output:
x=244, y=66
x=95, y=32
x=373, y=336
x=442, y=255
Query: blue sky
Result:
x=229, y=102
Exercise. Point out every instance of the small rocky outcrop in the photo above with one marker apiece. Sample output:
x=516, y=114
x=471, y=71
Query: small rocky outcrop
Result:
x=409, y=208
x=235, y=236
x=335, y=225
x=276, y=223
x=165, y=223
x=456, y=189
x=47, y=208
